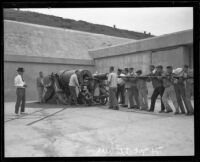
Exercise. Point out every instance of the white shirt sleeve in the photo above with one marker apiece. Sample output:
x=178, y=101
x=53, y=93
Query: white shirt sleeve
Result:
x=18, y=81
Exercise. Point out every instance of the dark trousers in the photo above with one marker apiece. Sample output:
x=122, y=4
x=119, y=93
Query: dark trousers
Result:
x=73, y=96
x=157, y=91
x=120, y=93
x=112, y=97
x=20, y=100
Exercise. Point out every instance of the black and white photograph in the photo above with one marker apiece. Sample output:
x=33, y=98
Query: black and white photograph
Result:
x=98, y=82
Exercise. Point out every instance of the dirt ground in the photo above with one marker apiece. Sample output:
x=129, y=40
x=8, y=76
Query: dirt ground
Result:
x=63, y=131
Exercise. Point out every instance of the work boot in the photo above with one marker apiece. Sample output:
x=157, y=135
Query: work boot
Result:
x=161, y=111
x=168, y=111
x=176, y=113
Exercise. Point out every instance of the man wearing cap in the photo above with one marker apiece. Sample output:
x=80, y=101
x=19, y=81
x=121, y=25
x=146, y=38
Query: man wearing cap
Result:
x=20, y=85
x=40, y=86
x=120, y=87
x=158, y=88
x=169, y=92
x=112, y=83
x=73, y=83
x=186, y=90
x=143, y=91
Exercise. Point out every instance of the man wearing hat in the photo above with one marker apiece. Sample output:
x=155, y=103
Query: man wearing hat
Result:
x=158, y=88
x=169, y=92
x=20, y=85
x=143, y=91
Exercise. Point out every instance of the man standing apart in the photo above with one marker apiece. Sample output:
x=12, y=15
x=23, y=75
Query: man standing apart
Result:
x=73, y=83
x=21, y=85
x=40, y=86
x=112, y=83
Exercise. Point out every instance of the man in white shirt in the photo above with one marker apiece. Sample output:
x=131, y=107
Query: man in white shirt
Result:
x=112, y=83
x=20, y=85
x=120, y=88
x=73, y=83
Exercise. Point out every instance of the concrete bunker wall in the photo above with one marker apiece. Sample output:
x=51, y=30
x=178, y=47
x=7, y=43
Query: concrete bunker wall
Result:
x=32, y=67
x=174, y=49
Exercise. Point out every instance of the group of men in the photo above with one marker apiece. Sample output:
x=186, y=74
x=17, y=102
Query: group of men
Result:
x=130, y=89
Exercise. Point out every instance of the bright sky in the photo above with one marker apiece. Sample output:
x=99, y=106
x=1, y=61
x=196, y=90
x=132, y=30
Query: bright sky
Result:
x=157, y=21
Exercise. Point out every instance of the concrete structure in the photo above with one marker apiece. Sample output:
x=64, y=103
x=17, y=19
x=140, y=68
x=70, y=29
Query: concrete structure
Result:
x=173, y=49
x=48, y=49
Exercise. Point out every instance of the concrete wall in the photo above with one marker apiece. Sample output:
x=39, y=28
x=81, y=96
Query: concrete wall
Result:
x=42, y=41
x=32, y=67
x=139, y=60
x=172, y=49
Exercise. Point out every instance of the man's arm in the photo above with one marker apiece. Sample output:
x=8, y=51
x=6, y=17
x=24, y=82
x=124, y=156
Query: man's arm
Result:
x=76, y=81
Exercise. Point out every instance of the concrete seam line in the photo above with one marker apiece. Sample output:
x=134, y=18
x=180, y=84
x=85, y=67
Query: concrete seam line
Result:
x=45, y=117
x=22, y=116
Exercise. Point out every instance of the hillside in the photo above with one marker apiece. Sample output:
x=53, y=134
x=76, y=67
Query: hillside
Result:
x=48, y=20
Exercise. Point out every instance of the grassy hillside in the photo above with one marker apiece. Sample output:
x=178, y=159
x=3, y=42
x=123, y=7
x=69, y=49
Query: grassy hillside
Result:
x=48, y=20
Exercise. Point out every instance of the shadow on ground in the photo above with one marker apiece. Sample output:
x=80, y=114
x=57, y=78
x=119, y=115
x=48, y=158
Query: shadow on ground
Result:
x=53, y=106
x=44, y=105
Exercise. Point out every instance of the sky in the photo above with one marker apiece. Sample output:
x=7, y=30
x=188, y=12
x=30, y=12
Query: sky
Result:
x=157, y=21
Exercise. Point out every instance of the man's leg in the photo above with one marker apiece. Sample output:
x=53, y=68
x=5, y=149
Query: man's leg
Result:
x=136, y=96
x=161, y=92
x=73, y=98
x=115, y=103
x=126, y=96
x=186, y=100
x=153, y=98
x=165, y=98
x=40, y=90
x=18, y=101
x=123, y=94
x=173, y=98
x=145, y=98
x=23, y=101
x=130, y=97
x=118, y=93
x=179, y=99
x=140, y=100
x=110, y=98
x=75, y=95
